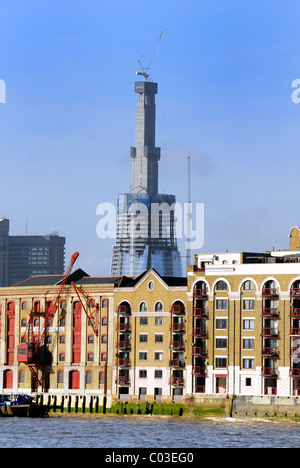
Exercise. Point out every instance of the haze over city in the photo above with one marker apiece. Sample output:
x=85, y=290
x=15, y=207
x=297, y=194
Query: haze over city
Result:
x=224, y=71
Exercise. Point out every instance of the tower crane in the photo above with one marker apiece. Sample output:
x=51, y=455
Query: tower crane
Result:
x=145, y=70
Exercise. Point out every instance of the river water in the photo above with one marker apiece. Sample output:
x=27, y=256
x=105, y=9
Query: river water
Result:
x=147, y=432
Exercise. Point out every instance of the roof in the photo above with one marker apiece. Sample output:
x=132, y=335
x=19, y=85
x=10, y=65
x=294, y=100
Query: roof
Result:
x=79, y=276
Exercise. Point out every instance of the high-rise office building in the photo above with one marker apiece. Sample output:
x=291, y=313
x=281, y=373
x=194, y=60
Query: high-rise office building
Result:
x=24, y=256
x=146, y=235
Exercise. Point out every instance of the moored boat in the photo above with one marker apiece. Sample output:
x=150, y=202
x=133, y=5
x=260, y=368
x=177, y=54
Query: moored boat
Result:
x=21, y=405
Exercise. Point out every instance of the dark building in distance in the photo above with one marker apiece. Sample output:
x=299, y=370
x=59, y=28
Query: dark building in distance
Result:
x=24, y=256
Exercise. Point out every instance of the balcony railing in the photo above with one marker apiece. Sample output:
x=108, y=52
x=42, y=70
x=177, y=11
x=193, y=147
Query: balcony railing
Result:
x=177, y=309
x=176, y=381
x=295, y=353
x=176, y=363
x=124, y=309
x=295, y=331
x=123, y=327
x=199, y=331
x=269, y=372
x=270, y=391
x=177, y=327
x=199, y=292
x=176, y=345
x=197, y=351
x=270, y=312
x=123, y=362
x=295, y=372
x=122, y=380
x=295, y=292
x=269, y=331
x=295, y=312
x=269, y=352
x=199, y=371
x=200, y=389
x=198, y=312
x=270, y=292
x=123, y=344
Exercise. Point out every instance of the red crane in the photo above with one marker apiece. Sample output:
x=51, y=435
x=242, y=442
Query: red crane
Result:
x=33, y=352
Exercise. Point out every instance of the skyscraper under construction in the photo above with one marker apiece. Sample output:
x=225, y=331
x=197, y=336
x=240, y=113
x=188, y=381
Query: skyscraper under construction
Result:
x=146, y=235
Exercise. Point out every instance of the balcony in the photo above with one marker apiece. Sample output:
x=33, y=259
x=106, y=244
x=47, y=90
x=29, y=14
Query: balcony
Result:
x=123, y=327
x=124, y=309
x=270, y=292
x=123, y=345
x=270, y=312
x=177, y=309
x=199, y=293
x=270, y=372
x=200, y=389
x=122, y=380
x=269, y=331
x=295, y=372
x=122, y=362
x=197, y=351
x=268, y=352
x=177, y=327
x=199, y=331
x=177, y=363
x=198, y=312
x=270, y=391
x=199, y=371
x=176, y=381
x=295, y=331
x=295, y=312
x=295, y=353
x=176, y=345
x=295, y=292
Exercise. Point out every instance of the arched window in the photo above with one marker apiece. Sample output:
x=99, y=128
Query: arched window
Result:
x=104, y=321
x=62, y=339
x=143, y=307
x=90, y=339
x=249, y=285
x=24, y=305
x=61, y=357
x=23, y=323
x=103, y=357
x=104, y=339
x=90, y=357
x=159, y=307
x=221, y=286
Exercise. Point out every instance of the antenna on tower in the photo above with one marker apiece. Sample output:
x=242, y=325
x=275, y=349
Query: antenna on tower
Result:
x=145, y=70
x=189, y=217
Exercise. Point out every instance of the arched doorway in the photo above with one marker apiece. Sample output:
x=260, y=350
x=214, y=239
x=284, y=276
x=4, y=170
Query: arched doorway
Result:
x=8, y=379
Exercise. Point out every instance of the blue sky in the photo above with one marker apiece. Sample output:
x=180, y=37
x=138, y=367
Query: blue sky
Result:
x=224, y=68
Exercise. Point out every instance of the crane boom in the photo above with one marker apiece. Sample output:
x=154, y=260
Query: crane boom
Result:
x=145, y=70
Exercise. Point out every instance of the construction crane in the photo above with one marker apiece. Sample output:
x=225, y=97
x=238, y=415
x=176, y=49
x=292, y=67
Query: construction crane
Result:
x=33, y=351
x=145, y=70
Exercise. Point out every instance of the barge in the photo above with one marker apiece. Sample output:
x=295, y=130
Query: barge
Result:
x=21, y=405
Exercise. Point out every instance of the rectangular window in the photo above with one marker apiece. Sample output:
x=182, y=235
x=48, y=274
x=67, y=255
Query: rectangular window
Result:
x=248, y=343
x=143, y=320
x=143, y=356
x=158, y=374
x=248, y=324
x=158, y=356
x=248, y=304
x=221, y=343
x=159, y=338
x=142, y=374
x=248, y=363
x=221, y=363
x=143, y=338
x=221, y=324
x=159, y=321
x=222, y=304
